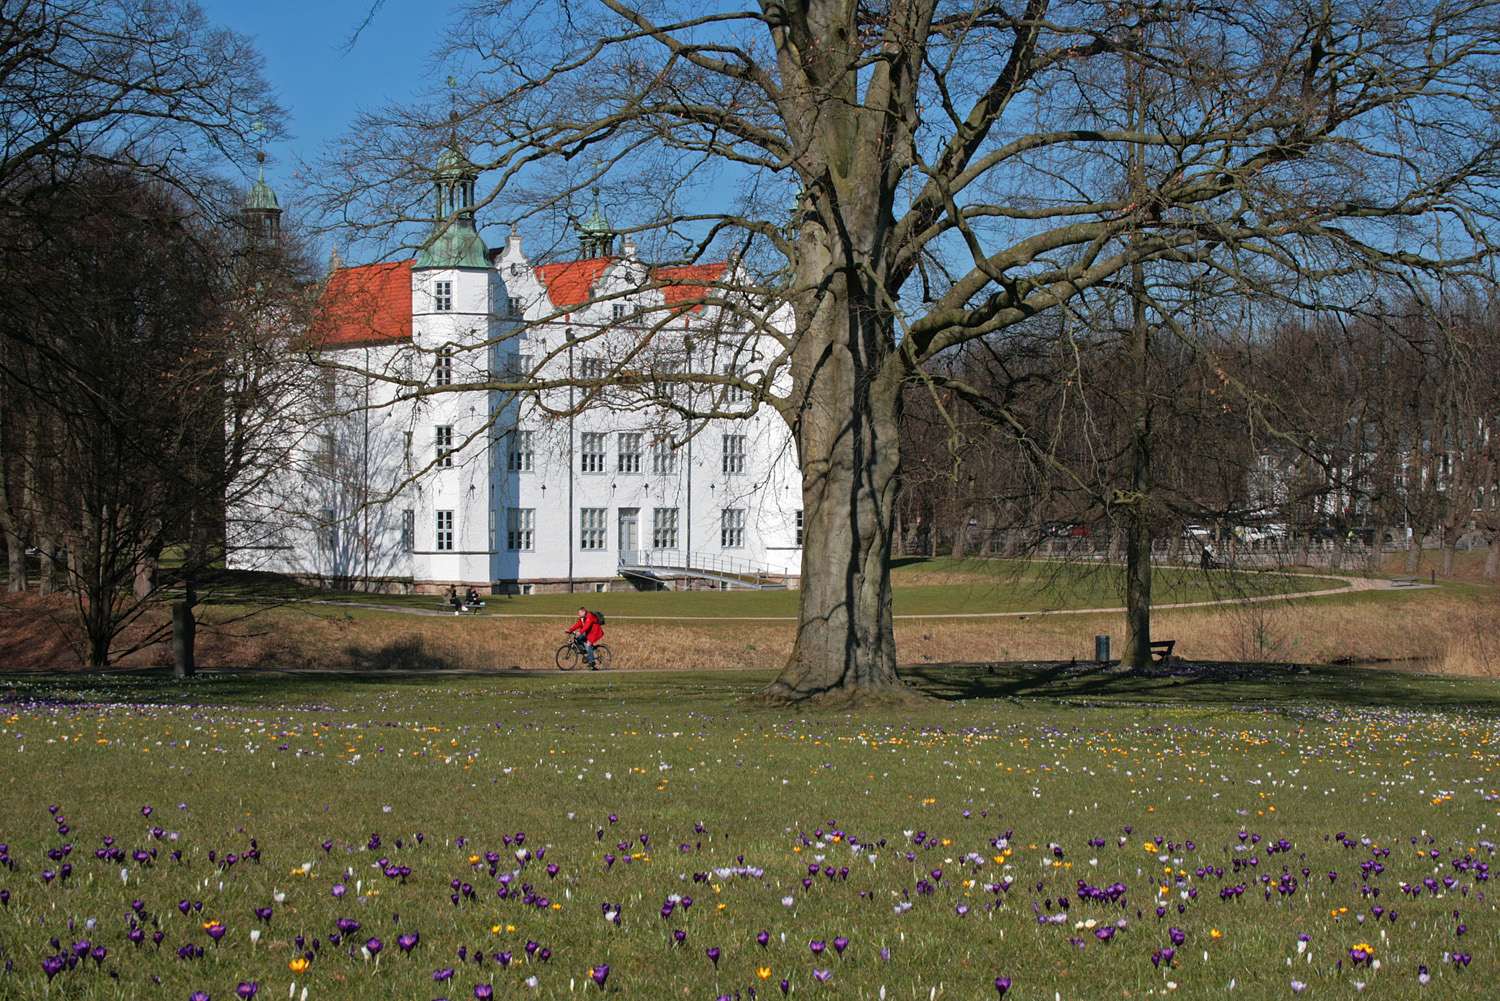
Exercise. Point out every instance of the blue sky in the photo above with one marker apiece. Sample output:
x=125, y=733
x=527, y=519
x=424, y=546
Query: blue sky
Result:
x=320, y=84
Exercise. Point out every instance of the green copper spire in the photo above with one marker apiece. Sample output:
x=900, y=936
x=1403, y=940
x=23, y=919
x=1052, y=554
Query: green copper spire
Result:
x=595, y=238
x=455, y=241
x=261, y=211
x=261, y=196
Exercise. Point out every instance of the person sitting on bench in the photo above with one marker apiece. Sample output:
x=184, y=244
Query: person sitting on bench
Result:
x=472, y=598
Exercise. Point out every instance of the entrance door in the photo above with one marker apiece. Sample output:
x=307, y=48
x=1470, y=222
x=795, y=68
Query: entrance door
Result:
x=629, y=533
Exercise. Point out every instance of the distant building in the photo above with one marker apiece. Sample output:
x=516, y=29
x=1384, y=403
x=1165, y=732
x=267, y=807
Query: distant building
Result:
x=580, y=487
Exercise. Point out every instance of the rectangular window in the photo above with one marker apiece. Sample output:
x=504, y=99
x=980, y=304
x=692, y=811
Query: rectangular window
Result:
x=520, y=457
x=442, y=368
x=732, y=528
x=799, y=529
x=520, y=528
x=513, y=307
x=328, y=532
x=733, y=394
x=494, y=530
x=591, y=453
x=408, y=530
x=445, y=531
x=518, y=366
x=734, y=453
x=591, y=368
x=326, y=458
x=664, y=456
x=443, y=442
x=630, y=453
x=620, y=311
x=591, y=527
x=442, y=297
x=406, y=450
x=664, y=528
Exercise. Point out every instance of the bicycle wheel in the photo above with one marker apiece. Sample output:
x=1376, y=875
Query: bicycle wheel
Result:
x=601, y=657
x=567, y=657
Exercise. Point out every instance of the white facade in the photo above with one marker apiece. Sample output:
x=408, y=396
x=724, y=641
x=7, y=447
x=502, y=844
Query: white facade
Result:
x=403, y=484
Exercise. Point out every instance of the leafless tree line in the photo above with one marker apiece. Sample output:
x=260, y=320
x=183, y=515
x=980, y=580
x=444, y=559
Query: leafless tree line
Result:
x=1344, y=432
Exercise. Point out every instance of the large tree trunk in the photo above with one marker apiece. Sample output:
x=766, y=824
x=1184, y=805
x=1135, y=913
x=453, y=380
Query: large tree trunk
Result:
x=847, y=438
x=1492, y=559
x=1413, y=550
x=47, y=579
x=1137, y=521
x=845, y=640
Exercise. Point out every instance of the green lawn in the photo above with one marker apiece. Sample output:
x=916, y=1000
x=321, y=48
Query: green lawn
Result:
x=1060, y=828
x=921, y=588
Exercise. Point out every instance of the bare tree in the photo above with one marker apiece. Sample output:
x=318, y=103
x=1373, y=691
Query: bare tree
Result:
x=955, y=170
x=145, y=362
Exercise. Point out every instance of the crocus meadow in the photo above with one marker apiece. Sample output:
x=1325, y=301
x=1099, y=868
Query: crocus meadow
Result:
x=546, y=836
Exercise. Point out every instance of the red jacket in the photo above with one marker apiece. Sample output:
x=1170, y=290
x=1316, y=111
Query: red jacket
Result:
x=588, y=626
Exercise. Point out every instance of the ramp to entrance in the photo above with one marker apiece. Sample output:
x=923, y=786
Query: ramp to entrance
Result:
x=666, y=567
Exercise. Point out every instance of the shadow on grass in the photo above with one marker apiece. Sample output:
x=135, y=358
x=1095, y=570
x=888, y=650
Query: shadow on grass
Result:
x=410, y=653
x=1209, y=686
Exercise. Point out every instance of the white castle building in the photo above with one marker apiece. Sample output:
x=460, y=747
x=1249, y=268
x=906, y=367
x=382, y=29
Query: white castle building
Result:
x=586, y=485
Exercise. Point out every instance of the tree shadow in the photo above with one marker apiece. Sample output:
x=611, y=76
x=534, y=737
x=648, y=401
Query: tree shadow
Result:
x=1213, y=685
x=409, y=653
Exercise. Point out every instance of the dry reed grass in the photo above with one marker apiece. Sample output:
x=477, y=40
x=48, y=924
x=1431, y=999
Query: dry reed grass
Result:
x=1449, y=634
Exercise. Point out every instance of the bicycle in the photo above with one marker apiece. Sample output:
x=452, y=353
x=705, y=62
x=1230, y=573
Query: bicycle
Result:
x=572, y=653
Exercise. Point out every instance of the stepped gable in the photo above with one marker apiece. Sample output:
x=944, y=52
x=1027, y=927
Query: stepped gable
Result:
x=365, y=305
x=568, y=283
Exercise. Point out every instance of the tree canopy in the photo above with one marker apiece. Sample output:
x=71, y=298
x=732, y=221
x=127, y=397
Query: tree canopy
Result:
x=903, y=177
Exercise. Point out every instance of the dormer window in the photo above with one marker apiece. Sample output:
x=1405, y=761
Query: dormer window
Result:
x=621, y=310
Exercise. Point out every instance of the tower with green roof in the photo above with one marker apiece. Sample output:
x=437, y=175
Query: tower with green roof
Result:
x=455, y=241
x=261, y=211
x=595, y=238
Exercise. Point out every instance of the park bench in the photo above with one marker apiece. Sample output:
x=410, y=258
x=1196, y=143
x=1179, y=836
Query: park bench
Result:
x=1162, y=650
x=444, y=605
x=1405, y=581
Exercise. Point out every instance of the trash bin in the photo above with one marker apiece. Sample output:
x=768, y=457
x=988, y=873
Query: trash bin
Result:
x=1101, y=649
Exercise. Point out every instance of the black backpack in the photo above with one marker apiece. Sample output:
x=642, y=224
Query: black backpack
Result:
x=598, y=617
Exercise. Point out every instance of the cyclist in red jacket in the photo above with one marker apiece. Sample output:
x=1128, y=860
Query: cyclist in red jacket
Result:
x=588, y=629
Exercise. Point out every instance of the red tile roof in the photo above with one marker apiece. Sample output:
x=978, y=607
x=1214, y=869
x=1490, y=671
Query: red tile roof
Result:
x=569, y=283
x=369, y=304
x=695, y=279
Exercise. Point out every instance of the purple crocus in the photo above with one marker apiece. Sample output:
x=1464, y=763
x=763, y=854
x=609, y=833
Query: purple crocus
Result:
x=374, y=946
x=441, y=975
x=408, y=942
x=52, y=966
x=198, y=996
x=713, y=953
x=763, y=938
x=817, y=947
x=841, y=943
x=600, y=973
x=821, y=976
x=483, y=992
x=247, y=989
x=1002, y=984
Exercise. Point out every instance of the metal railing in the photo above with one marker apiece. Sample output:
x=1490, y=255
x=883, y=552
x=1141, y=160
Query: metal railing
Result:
x=745, y=573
